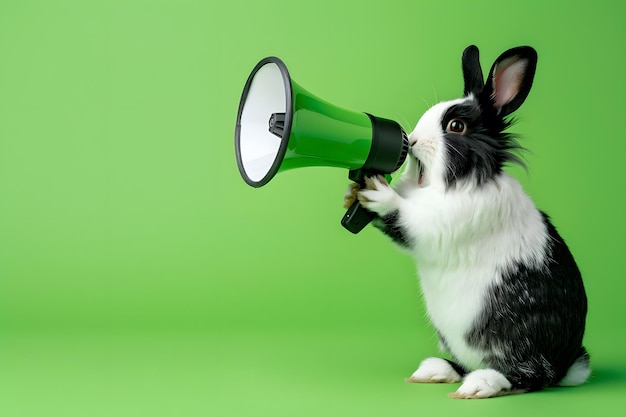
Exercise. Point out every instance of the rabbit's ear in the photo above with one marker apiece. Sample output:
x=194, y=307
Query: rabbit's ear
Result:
x=510, y=79
x=472, y=72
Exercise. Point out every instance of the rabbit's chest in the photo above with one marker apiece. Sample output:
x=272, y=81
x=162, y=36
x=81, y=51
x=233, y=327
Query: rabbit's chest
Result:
x=455, y=299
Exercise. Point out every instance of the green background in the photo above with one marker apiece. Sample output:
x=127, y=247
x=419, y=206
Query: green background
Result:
x=139, y=274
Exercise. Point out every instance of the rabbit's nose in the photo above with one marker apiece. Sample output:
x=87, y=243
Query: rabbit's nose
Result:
x=412, y=139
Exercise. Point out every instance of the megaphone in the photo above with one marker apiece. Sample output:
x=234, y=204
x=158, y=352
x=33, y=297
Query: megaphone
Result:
x=281, y=126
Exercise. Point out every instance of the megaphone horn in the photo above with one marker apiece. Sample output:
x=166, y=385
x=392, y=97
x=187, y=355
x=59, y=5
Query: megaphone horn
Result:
x=281, y=126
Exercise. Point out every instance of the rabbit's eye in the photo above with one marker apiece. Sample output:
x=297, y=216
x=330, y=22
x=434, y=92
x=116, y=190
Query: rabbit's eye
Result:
x=456, y=126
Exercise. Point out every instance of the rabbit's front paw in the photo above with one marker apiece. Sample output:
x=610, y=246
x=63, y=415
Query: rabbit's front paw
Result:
x=378, y=196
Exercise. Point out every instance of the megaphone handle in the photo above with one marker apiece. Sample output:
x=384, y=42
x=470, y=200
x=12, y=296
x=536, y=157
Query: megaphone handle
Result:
x=357, y=217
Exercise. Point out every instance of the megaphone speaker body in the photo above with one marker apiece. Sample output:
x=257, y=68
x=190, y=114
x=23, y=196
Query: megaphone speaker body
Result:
x=323, y=134
x=282, y=126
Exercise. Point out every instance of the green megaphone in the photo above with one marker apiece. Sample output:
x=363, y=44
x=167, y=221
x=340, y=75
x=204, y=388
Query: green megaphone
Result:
x=281, y=126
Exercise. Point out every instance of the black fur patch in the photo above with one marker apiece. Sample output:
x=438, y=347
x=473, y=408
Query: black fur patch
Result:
x=391, y=226
x=484, y=148
x=457, y=368
x=472, y=71
x=534, y=321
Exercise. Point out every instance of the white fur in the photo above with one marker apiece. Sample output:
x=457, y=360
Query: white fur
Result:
x=463, y=235
x=577, y=374
x=483, y=383
x=427, y=143
x=435, y=370
x=380, y=197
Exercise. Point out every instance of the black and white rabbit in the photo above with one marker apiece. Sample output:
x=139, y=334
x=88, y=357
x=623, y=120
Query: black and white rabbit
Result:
x=500, y=285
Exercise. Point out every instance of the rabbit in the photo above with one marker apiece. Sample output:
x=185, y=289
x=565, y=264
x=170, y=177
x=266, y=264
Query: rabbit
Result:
x=500, y=285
